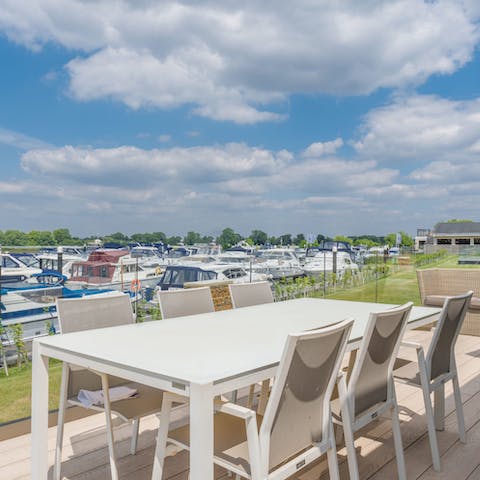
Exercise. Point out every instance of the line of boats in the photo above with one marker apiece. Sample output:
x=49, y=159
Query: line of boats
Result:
x=30, y=283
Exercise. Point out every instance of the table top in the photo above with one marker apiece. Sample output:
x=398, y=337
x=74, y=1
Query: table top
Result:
x=208, y=348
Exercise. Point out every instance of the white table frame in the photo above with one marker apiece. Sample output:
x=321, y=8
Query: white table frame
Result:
x=201, y=387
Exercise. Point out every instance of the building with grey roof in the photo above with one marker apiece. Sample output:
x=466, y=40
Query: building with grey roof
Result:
x=456, y=233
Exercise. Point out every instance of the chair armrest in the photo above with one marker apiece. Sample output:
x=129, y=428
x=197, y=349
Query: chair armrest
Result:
x=414, y=345
x=235, y=410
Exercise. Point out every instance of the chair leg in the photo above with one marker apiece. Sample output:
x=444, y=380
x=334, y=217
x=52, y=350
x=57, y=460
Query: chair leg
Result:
x=459, y=409
x=61, y=421
x=262, y=402
x=348, y=430
x=162, y=436
x=134, y=439
x=251, y=395
x=108, y=418
x=332, y=457
x=397, y=439
x=432, y=433
x=439, y=407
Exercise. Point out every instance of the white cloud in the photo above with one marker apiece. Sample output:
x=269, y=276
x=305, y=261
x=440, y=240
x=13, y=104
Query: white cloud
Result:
x=164, y=137
x=237, y=62
x=20, y=141
x=323, y=148
x=203, y=187
x=422, y=128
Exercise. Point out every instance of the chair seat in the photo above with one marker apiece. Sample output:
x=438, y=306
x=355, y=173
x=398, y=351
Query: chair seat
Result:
x=148, y=401
x=230, y=440
x=474, y=304
x=408, y=373
x=439, y=300
x=435, y=300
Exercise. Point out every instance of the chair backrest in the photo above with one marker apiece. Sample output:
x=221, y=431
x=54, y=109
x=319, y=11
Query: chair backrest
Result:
x=247, y=294
x=87, y=313
x=190, y=301
x=95, y=311
x=440, y=354
x=371, y=381
x=298, y=410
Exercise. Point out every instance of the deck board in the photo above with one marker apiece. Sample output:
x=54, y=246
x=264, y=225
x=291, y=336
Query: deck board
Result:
x=86, y=456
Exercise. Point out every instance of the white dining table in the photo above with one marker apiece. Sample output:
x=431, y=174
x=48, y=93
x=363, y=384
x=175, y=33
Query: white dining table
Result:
x=199, y=356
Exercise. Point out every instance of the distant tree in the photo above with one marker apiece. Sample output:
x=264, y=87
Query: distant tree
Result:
x=367, y=242
x=192, y=237
x=174, y=240
x=228, y=238
x=285, y=239
x=273, y=241
x=117, y=237
x=321, y=238
x=159, y=237
x=258, y=237
x=406, y=240
x=343, y=238
x=300, y=238
x=15, y=237
x=373, y=238
x=138, y=237
x=37, y=237
x=206, y=239
x=250, y=241
x=61, y=236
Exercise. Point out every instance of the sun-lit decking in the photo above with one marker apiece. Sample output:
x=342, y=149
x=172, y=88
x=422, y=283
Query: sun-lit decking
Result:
x=86, y=455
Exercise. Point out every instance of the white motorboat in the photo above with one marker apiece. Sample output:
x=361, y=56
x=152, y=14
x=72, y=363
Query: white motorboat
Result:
x=278, y=263
x=114, y=269
x=14, y=270
x=322, y=262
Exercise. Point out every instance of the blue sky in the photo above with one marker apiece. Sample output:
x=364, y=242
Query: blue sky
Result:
x=323, y=117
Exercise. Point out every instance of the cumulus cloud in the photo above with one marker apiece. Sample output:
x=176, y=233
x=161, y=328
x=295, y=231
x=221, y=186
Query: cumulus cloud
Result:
x=240, y=62
x=422, y=127
x=222, y=183
x=323, y=148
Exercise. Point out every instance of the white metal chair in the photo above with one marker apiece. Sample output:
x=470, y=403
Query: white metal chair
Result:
x=247, y=294
x=438, y=367
x=179, y=303
x=297, y=426
x=93, y=312
x=370, y=391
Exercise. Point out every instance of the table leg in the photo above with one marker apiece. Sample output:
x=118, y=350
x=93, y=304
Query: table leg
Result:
x=39, y=466
x=439, y=407
x=201, y=432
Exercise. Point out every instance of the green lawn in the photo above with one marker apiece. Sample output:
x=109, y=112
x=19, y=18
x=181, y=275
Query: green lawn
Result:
x=397, y=288
x=15, y=391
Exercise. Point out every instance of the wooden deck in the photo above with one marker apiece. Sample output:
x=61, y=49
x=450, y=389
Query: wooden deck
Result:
x=86, y=457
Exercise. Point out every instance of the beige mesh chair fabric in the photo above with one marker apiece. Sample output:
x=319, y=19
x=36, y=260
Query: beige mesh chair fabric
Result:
x=89, y=313
x=247, y=294
x=438, y=367
x=297, y=426
x=370, y=391
x=179, y=303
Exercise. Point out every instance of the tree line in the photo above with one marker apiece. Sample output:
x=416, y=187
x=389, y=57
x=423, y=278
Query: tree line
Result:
x=228, y=238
